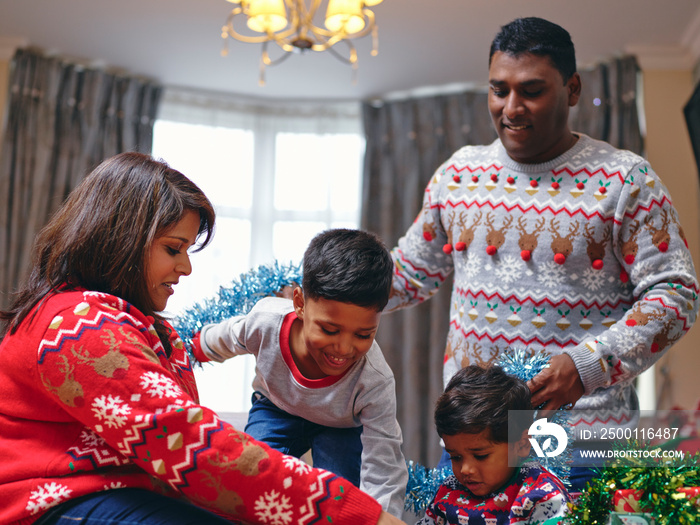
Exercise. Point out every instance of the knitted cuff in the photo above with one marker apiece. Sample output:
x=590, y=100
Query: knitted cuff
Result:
x=197, y=350
x=358, y=508
x=587, y=358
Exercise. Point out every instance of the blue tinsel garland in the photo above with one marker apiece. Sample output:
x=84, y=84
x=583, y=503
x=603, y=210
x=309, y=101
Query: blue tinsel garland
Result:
x=422, y=485
x=236, y=299
x=424, y=482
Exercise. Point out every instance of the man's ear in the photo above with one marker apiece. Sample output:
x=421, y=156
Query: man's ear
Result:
x=298, y=300
x=574, y=87
x=522, y=446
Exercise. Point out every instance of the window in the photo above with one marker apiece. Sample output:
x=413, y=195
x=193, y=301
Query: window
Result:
x=277, y=175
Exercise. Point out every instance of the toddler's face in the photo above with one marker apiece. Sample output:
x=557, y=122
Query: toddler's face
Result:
x=335, y=335
x=478, y=463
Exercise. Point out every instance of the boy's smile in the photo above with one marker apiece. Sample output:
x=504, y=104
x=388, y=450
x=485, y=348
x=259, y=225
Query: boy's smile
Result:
x=331, y=336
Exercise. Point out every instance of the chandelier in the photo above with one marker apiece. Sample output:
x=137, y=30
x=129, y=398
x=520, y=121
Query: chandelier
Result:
x=290, y=24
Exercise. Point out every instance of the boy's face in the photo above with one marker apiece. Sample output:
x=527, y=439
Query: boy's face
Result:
x=333, y=337
x=480, y=464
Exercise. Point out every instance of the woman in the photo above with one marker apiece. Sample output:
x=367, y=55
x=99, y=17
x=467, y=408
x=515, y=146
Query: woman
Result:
x=99, y=412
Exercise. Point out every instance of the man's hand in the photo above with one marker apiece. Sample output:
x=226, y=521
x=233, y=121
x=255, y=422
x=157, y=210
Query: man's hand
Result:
x=557, y=385
x=387, y=519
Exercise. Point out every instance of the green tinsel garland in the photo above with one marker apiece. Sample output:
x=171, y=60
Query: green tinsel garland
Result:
x=659, y=482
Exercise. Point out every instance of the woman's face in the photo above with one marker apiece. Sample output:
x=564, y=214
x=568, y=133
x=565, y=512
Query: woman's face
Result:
x=168, y=260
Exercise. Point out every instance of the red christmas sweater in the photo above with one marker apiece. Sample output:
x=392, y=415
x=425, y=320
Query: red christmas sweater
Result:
x=89, y=401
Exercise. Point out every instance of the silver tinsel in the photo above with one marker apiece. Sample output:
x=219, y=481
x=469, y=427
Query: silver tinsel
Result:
x=236, y=299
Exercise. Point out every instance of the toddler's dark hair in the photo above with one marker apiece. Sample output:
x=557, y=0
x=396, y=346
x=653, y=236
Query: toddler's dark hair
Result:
x=350, y=266
x=478, y=399
x=539, y=37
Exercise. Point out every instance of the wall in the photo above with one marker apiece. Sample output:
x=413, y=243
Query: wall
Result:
x=669, y=151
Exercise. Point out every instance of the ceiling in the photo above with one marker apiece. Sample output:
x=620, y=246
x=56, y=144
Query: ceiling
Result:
x=422, y=44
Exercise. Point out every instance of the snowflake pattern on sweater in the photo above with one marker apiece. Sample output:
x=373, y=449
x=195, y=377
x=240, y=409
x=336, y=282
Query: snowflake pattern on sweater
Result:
x=90, y=371
x=531, y=496
x=583, y=254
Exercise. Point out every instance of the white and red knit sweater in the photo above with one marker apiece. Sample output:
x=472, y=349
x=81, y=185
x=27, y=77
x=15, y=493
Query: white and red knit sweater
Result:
x=89, y=401
x=583, y=254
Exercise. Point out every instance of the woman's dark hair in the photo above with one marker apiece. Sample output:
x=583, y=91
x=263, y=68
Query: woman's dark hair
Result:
x=100, y=237
x=478, y=399
x=349, y=266
x=538, y=37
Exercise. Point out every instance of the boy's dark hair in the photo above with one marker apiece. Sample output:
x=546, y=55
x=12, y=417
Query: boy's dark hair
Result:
x=478, y=399
x=538, y=37
x=350, y=266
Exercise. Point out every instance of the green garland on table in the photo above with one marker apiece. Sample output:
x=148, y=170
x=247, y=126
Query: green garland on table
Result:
x=659, y=482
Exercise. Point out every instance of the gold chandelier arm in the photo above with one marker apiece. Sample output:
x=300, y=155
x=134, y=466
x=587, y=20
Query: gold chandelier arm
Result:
x=229, y=31
x=351, y=60
x=300, y=34
x=304, y=17
x=265, y=57
x=265, y=61
x=327, y=39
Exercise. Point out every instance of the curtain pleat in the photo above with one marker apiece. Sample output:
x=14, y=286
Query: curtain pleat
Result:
x=63, y=119
x=406, y=142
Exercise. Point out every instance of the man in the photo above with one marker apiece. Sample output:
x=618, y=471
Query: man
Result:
x=558, y=242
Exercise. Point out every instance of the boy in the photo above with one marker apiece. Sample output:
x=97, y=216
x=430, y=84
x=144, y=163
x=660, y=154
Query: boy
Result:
x=472, y=417
x=321, y=380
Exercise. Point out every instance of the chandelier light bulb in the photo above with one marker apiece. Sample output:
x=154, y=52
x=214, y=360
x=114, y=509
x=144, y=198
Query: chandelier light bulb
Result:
x=345, y=16
x=289, y=26
x=266, y=15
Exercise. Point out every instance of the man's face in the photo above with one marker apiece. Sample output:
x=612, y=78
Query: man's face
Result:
x=529, y=104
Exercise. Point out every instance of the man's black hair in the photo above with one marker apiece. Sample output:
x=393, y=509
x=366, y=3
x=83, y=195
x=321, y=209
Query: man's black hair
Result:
x=538, y=37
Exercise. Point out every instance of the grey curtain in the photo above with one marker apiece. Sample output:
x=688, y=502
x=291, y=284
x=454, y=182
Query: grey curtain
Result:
x=607, y=109
x=406, y=141
x=62, y=120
